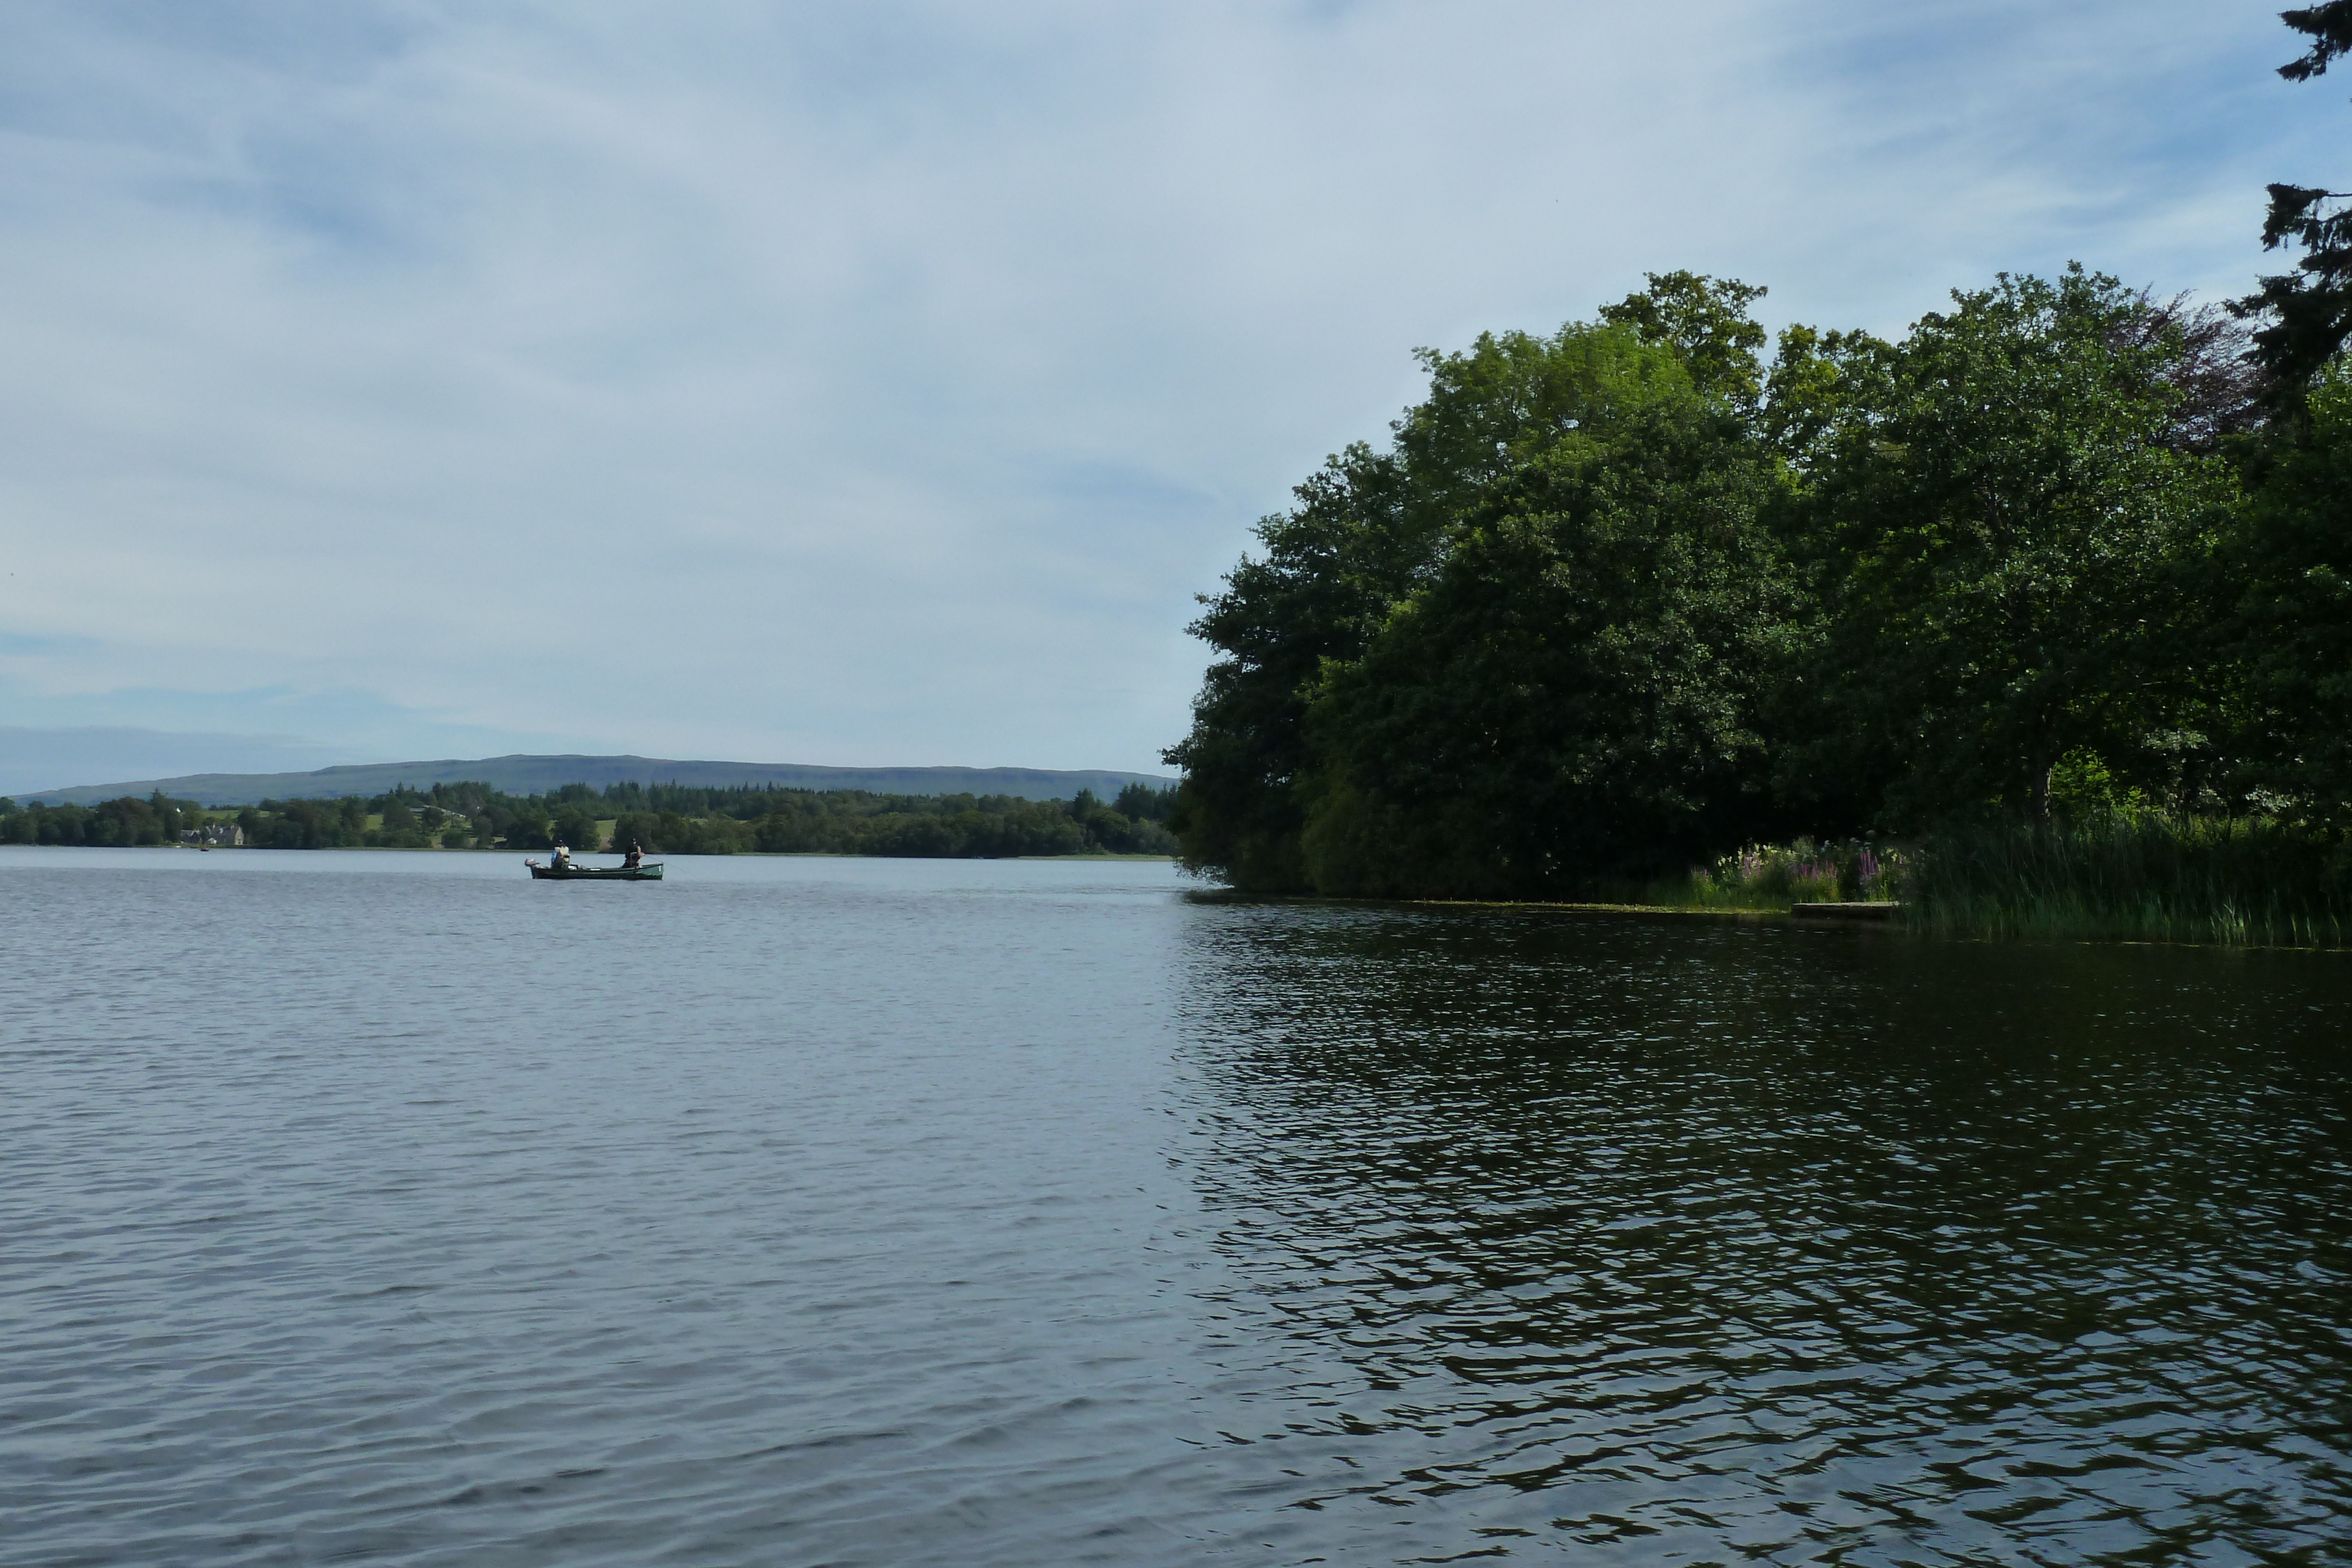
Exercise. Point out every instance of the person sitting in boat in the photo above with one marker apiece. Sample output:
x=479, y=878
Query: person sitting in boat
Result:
x=562, y=859
x=635, y=857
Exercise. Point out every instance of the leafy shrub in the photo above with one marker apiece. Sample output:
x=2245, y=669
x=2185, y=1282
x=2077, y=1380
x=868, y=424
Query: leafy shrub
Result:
x=1765, y=876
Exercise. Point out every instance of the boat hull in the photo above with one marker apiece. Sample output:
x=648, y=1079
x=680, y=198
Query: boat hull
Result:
x=651, y=872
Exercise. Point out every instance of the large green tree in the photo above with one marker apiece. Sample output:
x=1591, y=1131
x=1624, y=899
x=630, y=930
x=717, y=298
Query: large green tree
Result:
x=1329, y=568
x=2008, y=527
x=1373, y=528
x=1572, y=691
x=1364, y=529
x=2287, y=573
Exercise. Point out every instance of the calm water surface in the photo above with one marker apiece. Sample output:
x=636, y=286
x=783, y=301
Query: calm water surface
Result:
x=393, y=1208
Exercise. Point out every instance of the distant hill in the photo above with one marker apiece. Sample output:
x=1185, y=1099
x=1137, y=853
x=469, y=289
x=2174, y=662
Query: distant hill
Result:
x=537, y=775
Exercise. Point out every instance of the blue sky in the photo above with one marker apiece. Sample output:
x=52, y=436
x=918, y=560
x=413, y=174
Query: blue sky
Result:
x=877, y=384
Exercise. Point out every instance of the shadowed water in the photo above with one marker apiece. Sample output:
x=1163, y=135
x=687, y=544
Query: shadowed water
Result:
x=393, y=1208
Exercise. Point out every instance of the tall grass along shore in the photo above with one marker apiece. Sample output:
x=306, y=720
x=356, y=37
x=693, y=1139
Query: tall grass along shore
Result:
x=2245, y=881
x=2117, y=875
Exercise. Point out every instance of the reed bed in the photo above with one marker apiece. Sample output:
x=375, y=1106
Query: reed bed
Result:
x=2241, y=882
x=2246, y=882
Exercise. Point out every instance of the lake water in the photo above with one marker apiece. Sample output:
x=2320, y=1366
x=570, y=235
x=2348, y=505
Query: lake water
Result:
x=391, y=1209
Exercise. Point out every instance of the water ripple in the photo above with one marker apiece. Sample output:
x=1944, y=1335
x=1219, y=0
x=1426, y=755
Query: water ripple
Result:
x=384, y=1208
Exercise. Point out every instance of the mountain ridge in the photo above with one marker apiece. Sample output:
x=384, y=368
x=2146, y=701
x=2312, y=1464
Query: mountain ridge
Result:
x=526, y=774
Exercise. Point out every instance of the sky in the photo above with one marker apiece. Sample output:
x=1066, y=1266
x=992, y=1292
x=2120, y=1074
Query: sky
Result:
x=877, y=384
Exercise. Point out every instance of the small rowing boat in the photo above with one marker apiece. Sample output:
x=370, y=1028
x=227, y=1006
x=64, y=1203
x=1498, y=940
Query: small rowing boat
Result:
x=649, y=871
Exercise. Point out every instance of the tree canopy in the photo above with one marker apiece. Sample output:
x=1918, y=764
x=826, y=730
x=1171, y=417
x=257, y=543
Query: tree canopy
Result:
x=1625, y=597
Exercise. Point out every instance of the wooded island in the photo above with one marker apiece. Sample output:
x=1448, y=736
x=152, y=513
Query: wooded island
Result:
x=1617, y=602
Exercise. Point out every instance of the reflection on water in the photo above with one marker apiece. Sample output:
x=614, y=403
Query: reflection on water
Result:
x=1677, y=1244
x=395, y=1209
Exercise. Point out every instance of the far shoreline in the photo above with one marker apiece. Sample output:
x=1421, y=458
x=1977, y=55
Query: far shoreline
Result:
x=476, y=849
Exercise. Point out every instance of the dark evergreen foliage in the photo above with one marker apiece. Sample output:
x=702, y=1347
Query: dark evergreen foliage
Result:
x=2284, y=652
x=2309, y=310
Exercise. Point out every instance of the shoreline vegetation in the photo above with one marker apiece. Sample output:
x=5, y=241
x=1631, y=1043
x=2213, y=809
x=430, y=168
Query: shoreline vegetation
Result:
x=667, y=819
x=2037, y=621
x=2122, y=880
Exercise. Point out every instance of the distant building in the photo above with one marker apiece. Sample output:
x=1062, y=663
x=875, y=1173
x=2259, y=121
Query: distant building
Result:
x=226, y=835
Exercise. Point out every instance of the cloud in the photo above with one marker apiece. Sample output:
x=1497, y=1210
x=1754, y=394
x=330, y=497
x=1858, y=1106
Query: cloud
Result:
x=877, y=384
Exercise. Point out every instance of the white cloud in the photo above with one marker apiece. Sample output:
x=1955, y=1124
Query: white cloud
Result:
x=878, y=385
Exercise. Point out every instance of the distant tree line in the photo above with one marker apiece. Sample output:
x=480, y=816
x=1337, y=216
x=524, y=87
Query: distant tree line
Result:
x=128, y=821
x=666, y=819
